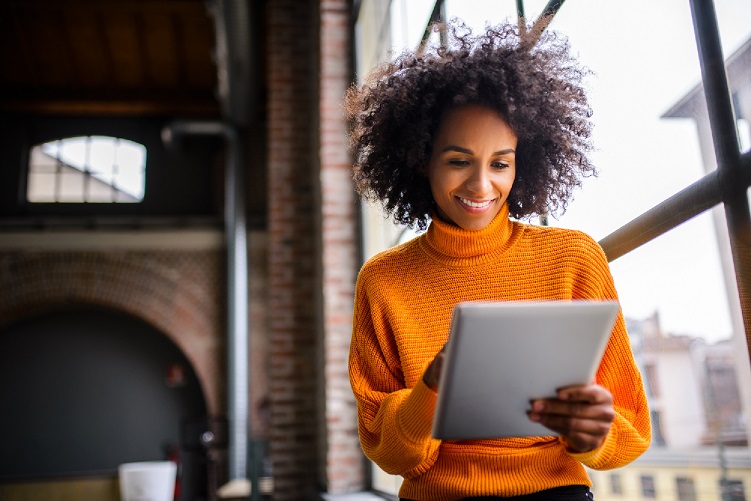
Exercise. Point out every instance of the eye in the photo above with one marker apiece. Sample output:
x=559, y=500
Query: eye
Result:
x=499, y=165
x=459, y=162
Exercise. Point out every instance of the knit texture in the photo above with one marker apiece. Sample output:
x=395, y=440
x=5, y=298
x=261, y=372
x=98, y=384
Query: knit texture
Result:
x=403, y=308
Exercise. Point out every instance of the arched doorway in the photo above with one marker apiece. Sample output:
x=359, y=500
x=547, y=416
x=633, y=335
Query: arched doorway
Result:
x=86, y=389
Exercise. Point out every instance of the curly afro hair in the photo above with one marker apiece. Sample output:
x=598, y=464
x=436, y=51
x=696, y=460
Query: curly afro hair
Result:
x=536, y=87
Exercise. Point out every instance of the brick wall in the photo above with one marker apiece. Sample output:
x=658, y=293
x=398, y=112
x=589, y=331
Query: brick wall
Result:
x=312, y=250
x=344, y=459
x=292, y=223
x=178, y=292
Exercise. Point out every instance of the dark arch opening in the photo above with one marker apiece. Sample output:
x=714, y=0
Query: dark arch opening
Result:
x=86, y=389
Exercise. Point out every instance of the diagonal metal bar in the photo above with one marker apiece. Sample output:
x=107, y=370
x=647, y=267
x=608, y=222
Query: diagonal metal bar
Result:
x=521, y=17
x=540, y=25
x=551, y=8
x=542, y=22
x=435, y=17
x=684, y=205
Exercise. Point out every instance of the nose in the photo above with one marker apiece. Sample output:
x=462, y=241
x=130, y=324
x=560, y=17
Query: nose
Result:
x=479, y=181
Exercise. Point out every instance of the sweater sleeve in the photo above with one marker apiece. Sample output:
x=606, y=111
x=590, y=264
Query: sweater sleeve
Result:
x=630, y=433
x=394, y=422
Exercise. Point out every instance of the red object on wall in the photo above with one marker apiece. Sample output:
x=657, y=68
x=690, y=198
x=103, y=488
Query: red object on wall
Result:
x=175, y=375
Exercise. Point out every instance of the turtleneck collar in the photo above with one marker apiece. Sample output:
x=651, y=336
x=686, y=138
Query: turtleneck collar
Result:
x=453, y=245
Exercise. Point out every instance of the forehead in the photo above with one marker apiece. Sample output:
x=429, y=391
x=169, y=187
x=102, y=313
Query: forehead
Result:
x=473, y=122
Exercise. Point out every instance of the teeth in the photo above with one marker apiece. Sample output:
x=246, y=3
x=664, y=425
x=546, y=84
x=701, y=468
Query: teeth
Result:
x=475, y=204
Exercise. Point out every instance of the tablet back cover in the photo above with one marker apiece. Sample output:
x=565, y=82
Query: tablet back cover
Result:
x=503, y=354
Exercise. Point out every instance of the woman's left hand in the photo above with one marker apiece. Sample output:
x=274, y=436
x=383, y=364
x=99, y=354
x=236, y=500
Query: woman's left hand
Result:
x=581, y=414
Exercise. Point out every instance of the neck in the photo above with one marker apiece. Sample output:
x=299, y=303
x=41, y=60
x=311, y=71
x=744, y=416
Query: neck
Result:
x=452, y=244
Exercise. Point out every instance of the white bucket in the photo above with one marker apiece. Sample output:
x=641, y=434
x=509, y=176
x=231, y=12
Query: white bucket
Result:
x=147, y=481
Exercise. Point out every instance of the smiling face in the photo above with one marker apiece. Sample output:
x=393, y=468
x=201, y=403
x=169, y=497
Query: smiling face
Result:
x=472, y=166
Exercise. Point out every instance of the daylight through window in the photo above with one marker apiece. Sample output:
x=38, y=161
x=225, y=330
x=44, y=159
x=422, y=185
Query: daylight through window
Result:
x=87, y=169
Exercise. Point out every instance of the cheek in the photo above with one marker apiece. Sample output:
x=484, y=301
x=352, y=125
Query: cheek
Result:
x=439, y=181
x=508, y=182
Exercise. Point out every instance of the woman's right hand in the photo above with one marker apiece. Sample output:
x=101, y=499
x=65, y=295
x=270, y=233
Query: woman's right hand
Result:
x=433, y=373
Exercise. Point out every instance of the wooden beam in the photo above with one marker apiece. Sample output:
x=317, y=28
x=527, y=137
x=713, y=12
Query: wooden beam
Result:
x=191, y=108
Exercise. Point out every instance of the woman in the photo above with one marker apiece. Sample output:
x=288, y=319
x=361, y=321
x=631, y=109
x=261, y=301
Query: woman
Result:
x=463, y=138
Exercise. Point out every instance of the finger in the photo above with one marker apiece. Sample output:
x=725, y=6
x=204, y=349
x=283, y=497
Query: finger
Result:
x=432, y=374
x=569, y=426
x=580, y=435
x=592, y=393
x=574, y=409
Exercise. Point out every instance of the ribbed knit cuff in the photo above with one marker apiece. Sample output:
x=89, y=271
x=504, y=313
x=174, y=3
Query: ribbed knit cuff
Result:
x=416, y=415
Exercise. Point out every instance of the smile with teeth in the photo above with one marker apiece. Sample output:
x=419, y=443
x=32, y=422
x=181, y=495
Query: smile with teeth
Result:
x=475, y=205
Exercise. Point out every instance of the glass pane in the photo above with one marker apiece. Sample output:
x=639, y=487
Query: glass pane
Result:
x=71, y=187
x=39, y=161
x=131, y=163
x=99, y=192
x=122, y=196
x=102, y=158
x=73, y=151
x=41, y=187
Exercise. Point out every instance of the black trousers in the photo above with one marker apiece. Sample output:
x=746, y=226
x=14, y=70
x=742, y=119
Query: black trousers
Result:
x=566, y=493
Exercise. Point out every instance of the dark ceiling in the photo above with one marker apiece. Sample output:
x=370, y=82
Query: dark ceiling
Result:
x=107, y=57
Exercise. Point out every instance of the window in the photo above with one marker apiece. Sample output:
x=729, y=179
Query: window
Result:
x=616, y=486
x=87, y=169
x=686, y=489
x=657, y=436
x=659, y=267
x=732, y=490
x=651, y=379
x=648, y=487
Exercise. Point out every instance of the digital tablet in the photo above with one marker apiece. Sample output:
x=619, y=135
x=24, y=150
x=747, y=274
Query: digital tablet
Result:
x=501, y=355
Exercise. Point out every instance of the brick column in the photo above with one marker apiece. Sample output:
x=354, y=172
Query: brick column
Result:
x=293, y=319
x=344, y=459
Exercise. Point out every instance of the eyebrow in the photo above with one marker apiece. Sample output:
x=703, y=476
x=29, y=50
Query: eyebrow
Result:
x=469, y=152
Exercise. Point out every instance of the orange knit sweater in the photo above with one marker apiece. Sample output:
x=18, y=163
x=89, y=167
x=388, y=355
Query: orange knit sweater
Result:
x=403, y=307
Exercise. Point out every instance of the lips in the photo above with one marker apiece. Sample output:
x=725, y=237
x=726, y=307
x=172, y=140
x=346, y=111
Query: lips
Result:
x=475, y=205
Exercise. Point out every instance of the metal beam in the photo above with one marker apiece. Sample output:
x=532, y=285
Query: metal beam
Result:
x=725, y=138
x=521, y=17
x=542, y=22
x=684, y=205
x=435, y=17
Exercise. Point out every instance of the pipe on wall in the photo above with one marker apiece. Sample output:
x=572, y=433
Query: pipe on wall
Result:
x=237, y=286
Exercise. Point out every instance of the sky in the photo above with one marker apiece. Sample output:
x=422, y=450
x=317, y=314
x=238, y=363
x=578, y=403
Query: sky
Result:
x=644, y=59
